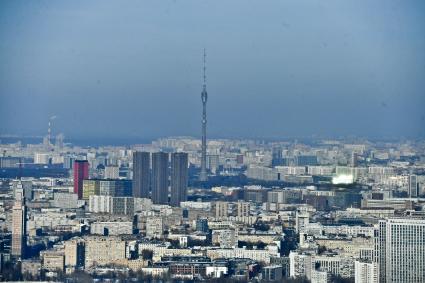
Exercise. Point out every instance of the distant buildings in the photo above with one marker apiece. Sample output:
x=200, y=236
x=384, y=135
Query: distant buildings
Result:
x=112, y=228
x=81, y=172
x=213, y=161
x=112, y=172
x=294, y=223
x=413, y=186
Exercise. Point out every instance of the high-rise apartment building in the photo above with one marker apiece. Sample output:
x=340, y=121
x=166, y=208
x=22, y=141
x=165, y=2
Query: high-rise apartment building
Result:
x=81, y=172
x=141, y=174
x=18, y=225
x=400, y=245
x=160, y=178
x=179, y=177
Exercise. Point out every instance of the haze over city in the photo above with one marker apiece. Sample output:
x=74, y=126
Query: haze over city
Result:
x=275, y=69
x=212, y=141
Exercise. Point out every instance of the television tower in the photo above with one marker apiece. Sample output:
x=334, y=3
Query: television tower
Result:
x=204, y=96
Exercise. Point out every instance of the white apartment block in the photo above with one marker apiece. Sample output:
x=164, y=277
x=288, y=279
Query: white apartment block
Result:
x=258, y=255
x=365, y=272
x=104, y=250
x=400, y=244
x=112, y=228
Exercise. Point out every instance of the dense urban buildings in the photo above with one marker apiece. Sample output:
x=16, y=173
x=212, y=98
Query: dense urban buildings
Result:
x=268, y=211
x=311, y=170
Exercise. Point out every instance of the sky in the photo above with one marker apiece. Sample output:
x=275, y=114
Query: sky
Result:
x=275, y=69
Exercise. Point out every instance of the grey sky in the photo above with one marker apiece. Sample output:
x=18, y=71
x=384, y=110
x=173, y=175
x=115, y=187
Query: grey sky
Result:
x=275, y=68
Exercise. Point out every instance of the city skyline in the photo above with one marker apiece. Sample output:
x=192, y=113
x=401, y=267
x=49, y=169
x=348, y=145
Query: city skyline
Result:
x=272, y=79
x=300, y=159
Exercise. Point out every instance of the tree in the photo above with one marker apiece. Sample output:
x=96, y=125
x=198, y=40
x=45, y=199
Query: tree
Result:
x=339, y=279
x=321, y=250
x=261, y=226
x=11, y=271
x=147, y=254
x=80, y=276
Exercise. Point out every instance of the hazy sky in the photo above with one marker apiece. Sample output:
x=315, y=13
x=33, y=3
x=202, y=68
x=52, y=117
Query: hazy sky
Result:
x=275, y=68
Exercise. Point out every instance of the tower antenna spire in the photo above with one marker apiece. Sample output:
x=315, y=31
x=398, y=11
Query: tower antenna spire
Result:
x=203, y=176
x=205, y=68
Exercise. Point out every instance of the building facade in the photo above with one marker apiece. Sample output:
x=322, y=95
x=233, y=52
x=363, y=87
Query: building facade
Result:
x=141, y=174
x=401, y=250
x=18, y=225
x=81, y=172
x=179, y=177
x=160, y=178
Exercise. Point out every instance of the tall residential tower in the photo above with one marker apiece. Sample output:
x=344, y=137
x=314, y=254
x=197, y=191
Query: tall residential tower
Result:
x=204, y=96
x=18, y=225
x=141, y=174
x=179, y=176
x=160, y=178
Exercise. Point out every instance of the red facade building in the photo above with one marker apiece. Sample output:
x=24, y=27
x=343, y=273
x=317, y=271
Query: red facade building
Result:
x=81, y=172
